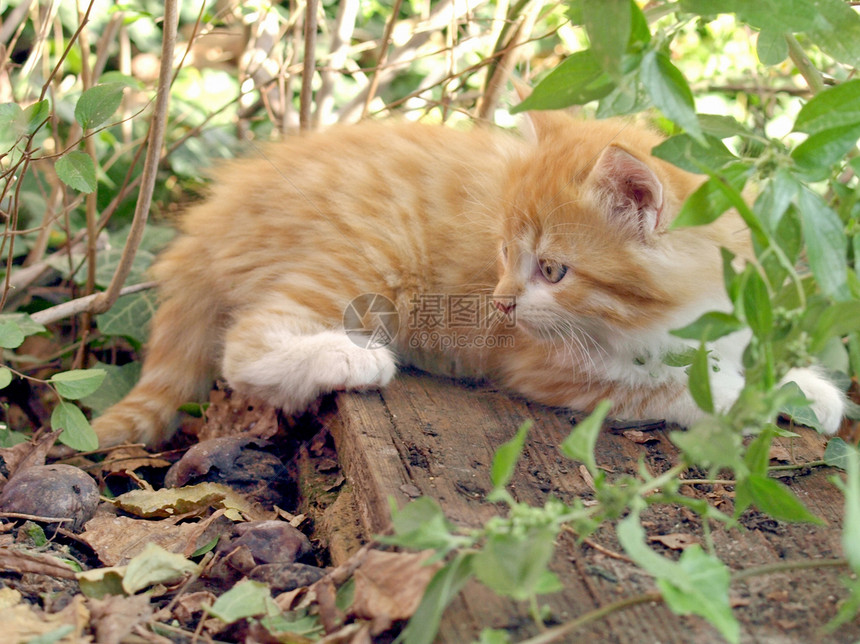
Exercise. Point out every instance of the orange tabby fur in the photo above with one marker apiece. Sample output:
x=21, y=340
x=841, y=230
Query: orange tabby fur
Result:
x=256, y=286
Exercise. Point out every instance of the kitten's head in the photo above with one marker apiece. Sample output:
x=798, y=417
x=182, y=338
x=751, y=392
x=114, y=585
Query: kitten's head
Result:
x=585, y=234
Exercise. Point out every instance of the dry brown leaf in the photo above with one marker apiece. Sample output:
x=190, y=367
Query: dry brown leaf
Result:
x=187, y=606
x=586, y=476
x=131, y=458
x=389, y=586
x=114, y=616
x=22, y=622
x=116, y=539
x=676, y=541
x=24, y=455
x=779, y=453
x=198, y=498
x=638, y=436
x=230, y=413
x=21, y=561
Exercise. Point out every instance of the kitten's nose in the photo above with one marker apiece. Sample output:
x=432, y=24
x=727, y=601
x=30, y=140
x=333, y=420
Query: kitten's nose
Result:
x=505, y=306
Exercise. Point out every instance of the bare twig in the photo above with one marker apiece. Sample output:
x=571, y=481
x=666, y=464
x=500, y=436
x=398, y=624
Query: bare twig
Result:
x=382, y=56
x=85, y=304
x=150, y=168
x=306, y=94
x=347, y=12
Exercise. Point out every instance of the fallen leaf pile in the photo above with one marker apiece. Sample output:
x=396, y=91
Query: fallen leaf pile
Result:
x=103, y=550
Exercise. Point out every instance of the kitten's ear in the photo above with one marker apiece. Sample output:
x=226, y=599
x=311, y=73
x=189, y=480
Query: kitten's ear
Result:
x=628, y=190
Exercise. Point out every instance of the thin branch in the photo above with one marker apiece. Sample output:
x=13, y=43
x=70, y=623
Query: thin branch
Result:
x=84, y=304
x=306, y=94
x=150, y=168
x=810, y=74
x=347, y=12
x=382, y=56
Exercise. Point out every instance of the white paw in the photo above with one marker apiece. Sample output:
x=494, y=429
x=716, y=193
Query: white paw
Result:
x=828, y=402
x=299, y=369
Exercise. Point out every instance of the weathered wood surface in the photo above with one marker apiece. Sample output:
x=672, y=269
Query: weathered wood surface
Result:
x=430, y=436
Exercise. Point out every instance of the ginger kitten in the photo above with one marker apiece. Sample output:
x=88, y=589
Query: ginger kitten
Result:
x=547, y=266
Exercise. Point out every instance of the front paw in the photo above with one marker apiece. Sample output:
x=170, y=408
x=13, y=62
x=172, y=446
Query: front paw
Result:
x=827, y=400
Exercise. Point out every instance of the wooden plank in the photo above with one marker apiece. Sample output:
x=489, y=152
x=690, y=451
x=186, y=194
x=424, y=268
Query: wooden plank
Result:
x=430, y=436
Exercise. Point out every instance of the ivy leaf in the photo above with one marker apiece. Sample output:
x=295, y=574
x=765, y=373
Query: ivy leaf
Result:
x=579, y=445
x=78, y=383
x=77, y=170
x=838, y=453
x=669, y=90
x=77, y=431
x=506, y=457
x=97, y=104
x=117, y=383
x=129, y=317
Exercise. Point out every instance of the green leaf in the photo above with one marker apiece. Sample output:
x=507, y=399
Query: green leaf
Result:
x=443, y=587
x=775, y=499
x=670, y=92
x=851, y=518
x=777, y=15
x=579, y=445
x=775, y=198
x=506, y=457
x=837, y=320
x=826, y=244
x=56, y=635
x=5, y=377
x=515, y=564
x=771, y=47
x=758, y=452
x=34, y=116
x=77, y=170
x=722, y=126
x=98, y=103
x=817, y=154
x=129, y=317
x=689, y=154
x=27, y=324
x=711, y=441
x=422, y=525
x=696, y=584
x=797, y=406
x=680, y=358
x=710, y=326
x=155, y=565
x=77, y=431
x=247, y=598
x=835, y=29
x=11, y=335
x=700, y=380
x=608, y=24
x=709, y=201
x=577, y=80
x=756, y=304
x=78, y=383
x=116, y=385
x=835, y=107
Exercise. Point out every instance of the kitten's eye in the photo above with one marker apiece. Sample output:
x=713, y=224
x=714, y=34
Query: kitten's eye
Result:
x=552, y=271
